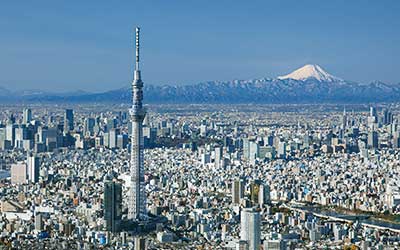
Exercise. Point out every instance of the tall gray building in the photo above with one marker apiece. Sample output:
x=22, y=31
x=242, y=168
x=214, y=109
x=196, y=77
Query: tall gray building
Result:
x=113, y=134
x=373, y=140
x=137, y=195
x=33, y=168
x=113, y=206
x=39, y=225
x=27, y=116
x=218, y=156
x=10, y=132
x=238, y=187
x=68, y=120
x=250, y=228
x=344, y=119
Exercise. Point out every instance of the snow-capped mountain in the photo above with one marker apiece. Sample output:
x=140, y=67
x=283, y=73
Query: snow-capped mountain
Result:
x=311, y=71
x=309, y=84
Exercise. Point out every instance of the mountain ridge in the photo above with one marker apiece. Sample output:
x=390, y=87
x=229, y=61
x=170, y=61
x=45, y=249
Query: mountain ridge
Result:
x=308, y=84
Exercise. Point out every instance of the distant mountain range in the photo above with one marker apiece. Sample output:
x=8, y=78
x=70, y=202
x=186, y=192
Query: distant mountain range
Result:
x=308, y=84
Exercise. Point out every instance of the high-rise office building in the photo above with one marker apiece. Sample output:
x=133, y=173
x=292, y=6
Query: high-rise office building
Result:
x=21, y=134
x=4, y=144
x=11, y=119
x=33, y=168
x=372, y=118
x=387, y=117
x=52, y=138
x=10, y=132
x=68, y=120
x=344, y=119
x=27, y=116
x=112, y=123
x=137, y=195
x=106, y=139
x=150, y=135
x=264, y=196
x=373, y=139
x=255, y=189
x=250, y=228
x=41, y=135
x=246, y=148
x=254, y=151
x=113, y=134
x=373, y=112
x=113, y=206
x=39, y=225
x=282, y=149
x=122, y=141
x=89, y=126
x=218, y=156
x=237, y=191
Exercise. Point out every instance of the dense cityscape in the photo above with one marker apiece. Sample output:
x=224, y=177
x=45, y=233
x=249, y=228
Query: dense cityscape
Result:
x=216, y=177
x=304, y=160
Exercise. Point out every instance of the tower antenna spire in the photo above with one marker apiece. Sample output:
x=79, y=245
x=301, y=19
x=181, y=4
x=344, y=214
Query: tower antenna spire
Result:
x=137, y=48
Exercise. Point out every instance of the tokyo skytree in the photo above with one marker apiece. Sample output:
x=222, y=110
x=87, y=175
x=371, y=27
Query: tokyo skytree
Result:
x=137, y=194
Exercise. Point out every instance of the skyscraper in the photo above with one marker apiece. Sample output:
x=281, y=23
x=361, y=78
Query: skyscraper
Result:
x=344, y=119
x=373, y=112
x=137, y=195
x=264, y=196
x=373, y=140
x=33, y=168
x=68, y=120
x=250, y=229
x=254, y=151
x=10, y=132
x=113, y=133
x=27, y=116
x=112, y=206
x=237, y=191
x=246, y=148
x=218, y=156
x=372, y=118
x=255, y=187
x=39, y=225
x=385, y=116
x=89, y=125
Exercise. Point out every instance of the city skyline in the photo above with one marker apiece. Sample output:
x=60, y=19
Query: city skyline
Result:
x=306, y=159
x=230, y=176
x=71, y=46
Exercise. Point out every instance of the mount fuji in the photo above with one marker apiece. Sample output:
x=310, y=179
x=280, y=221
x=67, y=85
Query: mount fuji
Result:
x=308, y=84
x=311, y=71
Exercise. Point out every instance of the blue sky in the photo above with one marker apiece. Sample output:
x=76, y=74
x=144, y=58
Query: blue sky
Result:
x=88, y=45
